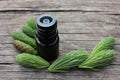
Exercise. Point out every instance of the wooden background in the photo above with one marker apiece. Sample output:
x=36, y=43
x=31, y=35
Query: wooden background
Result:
x=81, y=24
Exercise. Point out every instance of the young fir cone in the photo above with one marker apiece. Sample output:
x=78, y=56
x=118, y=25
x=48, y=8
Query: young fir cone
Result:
x=24, y=38
x=106, y=43
x=31, y=22
x=31, y=61
x=28, y=31
x=100, y=59
x=23, y=47
x=101, y=55
x=67, y=61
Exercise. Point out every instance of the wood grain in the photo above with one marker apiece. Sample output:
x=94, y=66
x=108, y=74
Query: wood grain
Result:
x=81, y=25
x=111, y=6
x=15, y=71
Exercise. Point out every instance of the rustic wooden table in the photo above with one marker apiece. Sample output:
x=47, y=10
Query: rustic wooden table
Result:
x=81, y=24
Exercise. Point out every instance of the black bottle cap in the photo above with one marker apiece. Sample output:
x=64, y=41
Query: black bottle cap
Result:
x=46, y=22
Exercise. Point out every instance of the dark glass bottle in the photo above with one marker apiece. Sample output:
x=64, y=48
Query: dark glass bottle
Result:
x=47, y=38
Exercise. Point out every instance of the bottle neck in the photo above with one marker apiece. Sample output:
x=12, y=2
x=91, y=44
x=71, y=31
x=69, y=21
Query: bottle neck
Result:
x=46, y=32
x=47, y=38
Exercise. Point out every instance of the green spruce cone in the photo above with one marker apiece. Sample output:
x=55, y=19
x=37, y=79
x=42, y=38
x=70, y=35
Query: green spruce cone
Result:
x=106, y=43
x=31, y=22
x=28, y=31
x=24, y=38
x=101, y=55
x=23, y=47
x=31, y=61
x=100, y=59
x=67, y=61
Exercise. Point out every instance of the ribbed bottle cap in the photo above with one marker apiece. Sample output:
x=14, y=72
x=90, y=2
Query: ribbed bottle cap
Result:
x=46, y=22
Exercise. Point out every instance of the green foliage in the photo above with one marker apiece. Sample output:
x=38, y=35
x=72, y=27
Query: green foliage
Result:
x=24, y=38
x=23, y=47
x=68, y=61
x=101, y=55
x=100, y=59
x=28, y=31
x=32, y=61
x=106, y=43
x=31, y=22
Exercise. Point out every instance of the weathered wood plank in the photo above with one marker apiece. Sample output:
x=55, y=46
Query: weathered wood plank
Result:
x=15, y=71
x=10, y=78
x=65, y=43
x=7, y=59
x=18, y=68
x=80, y=28
x=91, y=23
x=63, y=37
x=61, y=5
x=75, y=44
x=65, y=46
x=10, y=58
x=73, y=78
x=61, y=17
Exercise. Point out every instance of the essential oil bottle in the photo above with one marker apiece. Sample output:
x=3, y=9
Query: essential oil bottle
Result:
x=47, y=38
